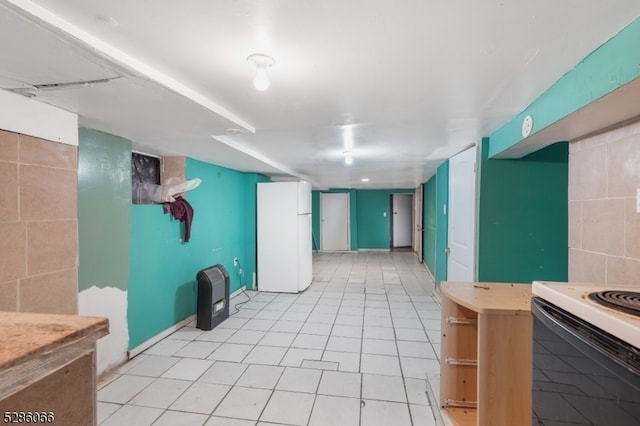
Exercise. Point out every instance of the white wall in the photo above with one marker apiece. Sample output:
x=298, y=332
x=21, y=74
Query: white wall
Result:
x=108, y=302
x=22, y=115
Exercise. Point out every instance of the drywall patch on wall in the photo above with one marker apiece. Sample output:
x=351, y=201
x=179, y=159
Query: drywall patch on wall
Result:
x=104, y=228
x=104, y=209
x=111, y=303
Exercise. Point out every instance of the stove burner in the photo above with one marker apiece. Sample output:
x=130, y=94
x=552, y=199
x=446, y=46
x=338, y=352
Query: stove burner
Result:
x=619, y=300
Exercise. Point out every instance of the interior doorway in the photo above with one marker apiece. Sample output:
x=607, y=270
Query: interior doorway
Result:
x=334, y=222
x=462, y=216
x=402, y=221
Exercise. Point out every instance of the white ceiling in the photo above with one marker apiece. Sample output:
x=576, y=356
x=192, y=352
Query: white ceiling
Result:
x=413, y=81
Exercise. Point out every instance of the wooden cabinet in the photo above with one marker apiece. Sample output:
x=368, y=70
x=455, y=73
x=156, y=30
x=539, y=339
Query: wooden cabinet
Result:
x=48, y=368
x=486, y=359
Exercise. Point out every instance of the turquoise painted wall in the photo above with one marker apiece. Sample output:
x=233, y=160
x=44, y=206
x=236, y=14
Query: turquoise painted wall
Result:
x=442, y=221
x=373, y=217
x=369, y=228
x=162, y=286
x=315, y=219
x=608, y=68
x=523, y=217
x=429, y=224
x=248, y=261
x=104, y=212
x=436, y=226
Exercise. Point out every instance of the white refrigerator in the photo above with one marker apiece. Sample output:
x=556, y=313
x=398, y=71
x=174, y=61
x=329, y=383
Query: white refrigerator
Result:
x=284, y=236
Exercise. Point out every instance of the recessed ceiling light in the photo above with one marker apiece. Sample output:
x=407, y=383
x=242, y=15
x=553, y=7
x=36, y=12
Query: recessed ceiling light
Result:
x=365, y=179
x=348, y=158
x=347, y=137
x=262, y=63
x=233, y=132
x=109, y=20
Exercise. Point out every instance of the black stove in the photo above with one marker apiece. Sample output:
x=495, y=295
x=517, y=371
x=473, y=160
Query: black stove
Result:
x=619, y=300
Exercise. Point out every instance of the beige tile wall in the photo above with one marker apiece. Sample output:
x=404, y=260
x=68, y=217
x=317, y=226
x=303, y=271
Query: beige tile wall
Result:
x=604, y=227
x=38, y=225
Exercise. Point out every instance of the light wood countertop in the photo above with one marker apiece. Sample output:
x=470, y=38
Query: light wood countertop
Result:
x=48, y=365
x=25, y=335
x=490, y=298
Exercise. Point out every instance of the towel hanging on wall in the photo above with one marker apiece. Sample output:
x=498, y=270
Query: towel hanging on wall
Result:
x=181, y=210
x=170, y=190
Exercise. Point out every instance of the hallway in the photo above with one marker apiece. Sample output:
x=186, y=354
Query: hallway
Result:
x=355, y=348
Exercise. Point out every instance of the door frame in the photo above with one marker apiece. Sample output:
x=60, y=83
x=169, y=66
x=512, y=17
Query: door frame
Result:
x=348, y=198
x=391, y=218
x=417, y=220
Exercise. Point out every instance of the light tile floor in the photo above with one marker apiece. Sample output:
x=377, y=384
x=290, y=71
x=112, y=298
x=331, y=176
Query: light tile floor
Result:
x=358, y=347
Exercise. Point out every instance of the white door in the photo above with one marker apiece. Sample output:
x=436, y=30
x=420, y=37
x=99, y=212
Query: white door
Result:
x=402, y=220
x=334, y=221
x=462, y=216
x=418, y=229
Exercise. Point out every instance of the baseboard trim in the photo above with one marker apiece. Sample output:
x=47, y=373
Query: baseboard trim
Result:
x=372, y=249
x=155, y=339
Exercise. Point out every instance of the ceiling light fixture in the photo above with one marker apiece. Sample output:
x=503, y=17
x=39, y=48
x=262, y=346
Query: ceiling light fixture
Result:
x=233, y=132
x=365, y=179
x=348, y=158
x=262, y=63
x=347, y=137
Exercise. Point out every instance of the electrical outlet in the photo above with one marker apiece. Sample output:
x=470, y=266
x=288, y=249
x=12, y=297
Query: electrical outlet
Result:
x=235, y=261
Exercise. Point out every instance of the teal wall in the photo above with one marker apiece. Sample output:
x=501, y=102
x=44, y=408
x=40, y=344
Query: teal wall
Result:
x=429, y=224
x=162, y=286
x=248, y=261
x=315, y=219
x=523, y=217
x=104, y=213
x=606, y=69
x=368, y=227
x=436, y=226
x=373, y=217
x=442, y=221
